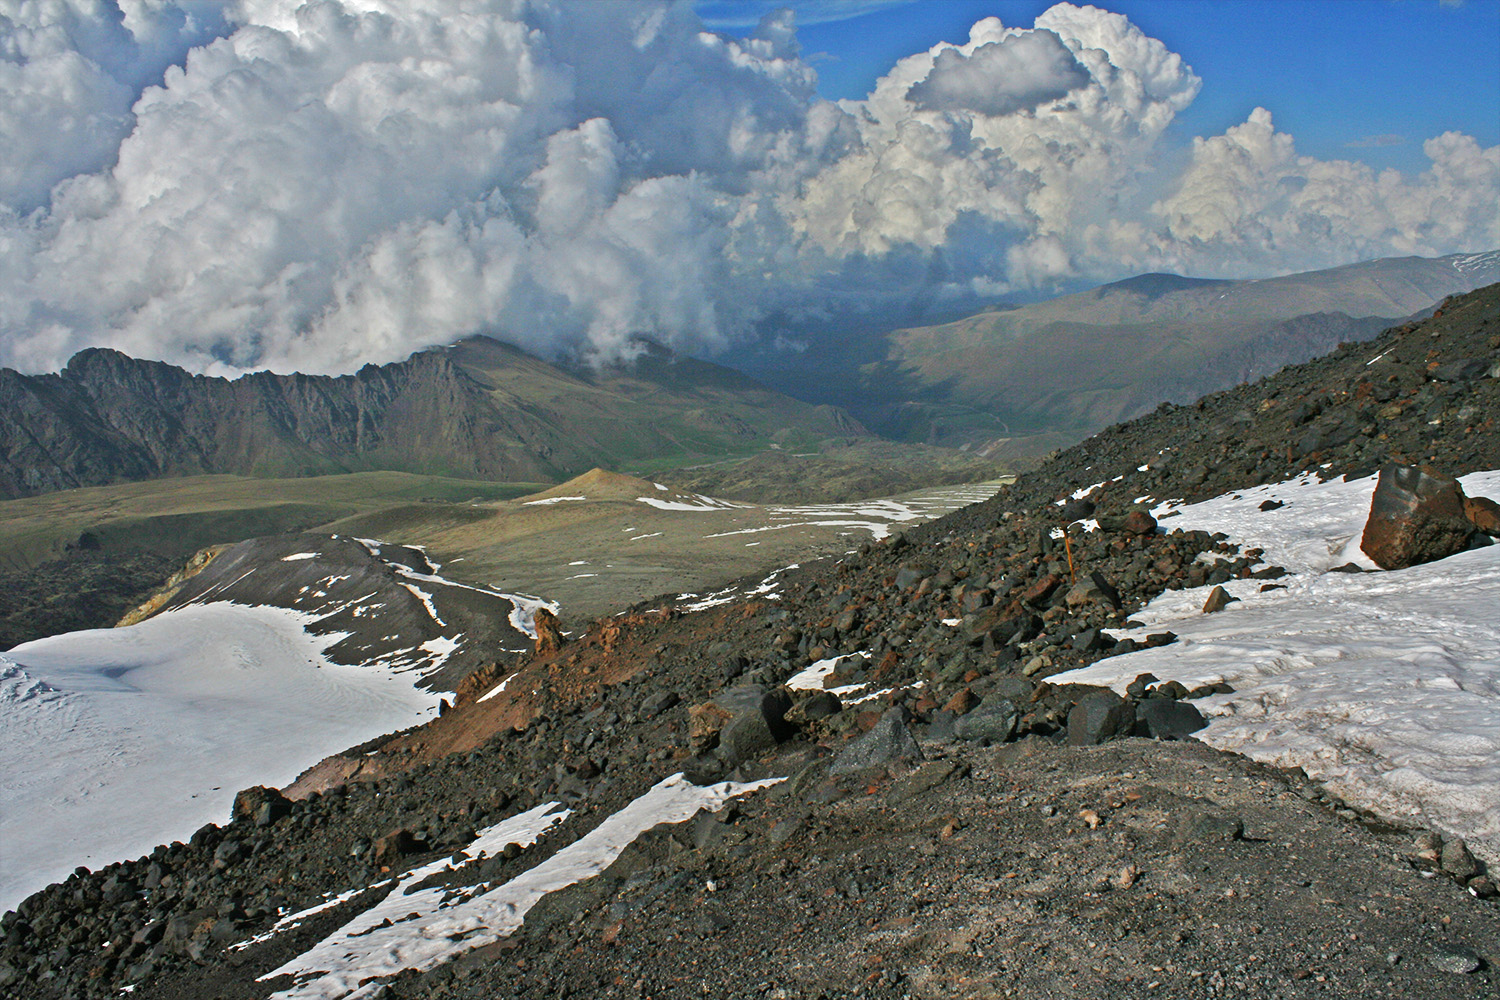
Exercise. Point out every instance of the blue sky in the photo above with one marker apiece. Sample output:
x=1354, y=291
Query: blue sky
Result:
x=1364, y=80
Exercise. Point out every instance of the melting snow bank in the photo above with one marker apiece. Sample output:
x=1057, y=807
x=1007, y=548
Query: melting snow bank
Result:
x=423, y=928
x=1383, y=685
x=116, y=740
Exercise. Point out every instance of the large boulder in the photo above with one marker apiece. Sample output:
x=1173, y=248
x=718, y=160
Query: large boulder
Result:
x=887, y=742
x=1415, y=517
x=756, y=730
x=994, y=721
x=1166, y=719
x=1098, y=718
x=260, y=805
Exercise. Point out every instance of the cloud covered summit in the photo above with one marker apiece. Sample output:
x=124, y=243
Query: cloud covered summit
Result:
x=318, y=185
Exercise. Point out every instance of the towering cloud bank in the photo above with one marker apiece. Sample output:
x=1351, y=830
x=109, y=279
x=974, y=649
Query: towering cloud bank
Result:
x=314, y=185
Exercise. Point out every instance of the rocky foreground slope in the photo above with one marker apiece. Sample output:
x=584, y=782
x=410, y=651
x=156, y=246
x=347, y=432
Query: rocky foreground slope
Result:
x=951, y=824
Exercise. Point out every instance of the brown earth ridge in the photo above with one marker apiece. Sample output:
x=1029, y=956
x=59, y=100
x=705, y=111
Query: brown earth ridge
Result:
x=975, y=831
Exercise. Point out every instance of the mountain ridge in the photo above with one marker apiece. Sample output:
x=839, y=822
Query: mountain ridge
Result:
x=478, y=409
x=1017, y=382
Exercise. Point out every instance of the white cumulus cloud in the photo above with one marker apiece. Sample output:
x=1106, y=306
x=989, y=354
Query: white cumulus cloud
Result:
x=319, y=184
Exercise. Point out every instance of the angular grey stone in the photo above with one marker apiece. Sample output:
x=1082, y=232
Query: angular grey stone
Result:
x=941, y=728
x=910, y=575
x=1099, y=717
x=819, y=705
x=755, y=730
x=1456, y=958
x=1457, y=861
x=994, y=721
x=1166, y=719
x=889, y=740
x=656, y=704
x=1462, y=370
x=228, y=853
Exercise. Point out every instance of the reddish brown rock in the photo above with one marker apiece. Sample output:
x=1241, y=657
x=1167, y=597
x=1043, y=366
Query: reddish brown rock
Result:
x=261, y=805
x=1135, y=522
x=549, y=637
x=887, y=667
x=1415, y=517
x=1042, y=589
x=394, y=846
x=480, y=682
x=1218, y=600
x=962, y=702
x=1484, y=514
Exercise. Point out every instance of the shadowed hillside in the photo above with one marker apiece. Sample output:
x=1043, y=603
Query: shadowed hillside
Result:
x=479, y=409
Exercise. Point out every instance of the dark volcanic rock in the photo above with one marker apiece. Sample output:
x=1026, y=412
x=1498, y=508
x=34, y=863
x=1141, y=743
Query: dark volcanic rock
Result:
x=260, y=805
x=994, y=721
x=1099, y=717
x=1415, y=517
x=1168, y=719
x=756, y=729
x=888, y=741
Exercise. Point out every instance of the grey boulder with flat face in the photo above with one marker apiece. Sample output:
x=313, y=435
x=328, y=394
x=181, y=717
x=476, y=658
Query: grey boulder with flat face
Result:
x=887, y=741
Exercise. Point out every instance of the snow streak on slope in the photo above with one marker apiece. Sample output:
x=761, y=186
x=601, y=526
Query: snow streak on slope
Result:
x=1384, y=685
x=875, y=516
x=116, y=740
x=423, y=928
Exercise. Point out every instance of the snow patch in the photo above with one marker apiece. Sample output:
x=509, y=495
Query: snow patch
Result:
x=703, y=504
x=430, y=926
x=1383, y=685
x=497, y=688
x=811, y=678
x=426, y=599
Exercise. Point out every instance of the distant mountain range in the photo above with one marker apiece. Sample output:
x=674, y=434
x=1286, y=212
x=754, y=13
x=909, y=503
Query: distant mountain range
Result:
x=480, y=409
x=1009, y=383
x=1034, y=377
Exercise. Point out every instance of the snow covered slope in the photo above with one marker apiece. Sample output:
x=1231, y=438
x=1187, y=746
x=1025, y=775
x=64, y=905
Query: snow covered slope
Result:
x=116, y=740
x=1384, y=685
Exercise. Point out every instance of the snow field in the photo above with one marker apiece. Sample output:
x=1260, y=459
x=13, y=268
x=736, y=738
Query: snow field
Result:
x=1383, y=685
x=113, y=741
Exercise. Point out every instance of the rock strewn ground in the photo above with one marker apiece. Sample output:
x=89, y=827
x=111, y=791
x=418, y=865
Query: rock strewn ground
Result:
x=1035, y=867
